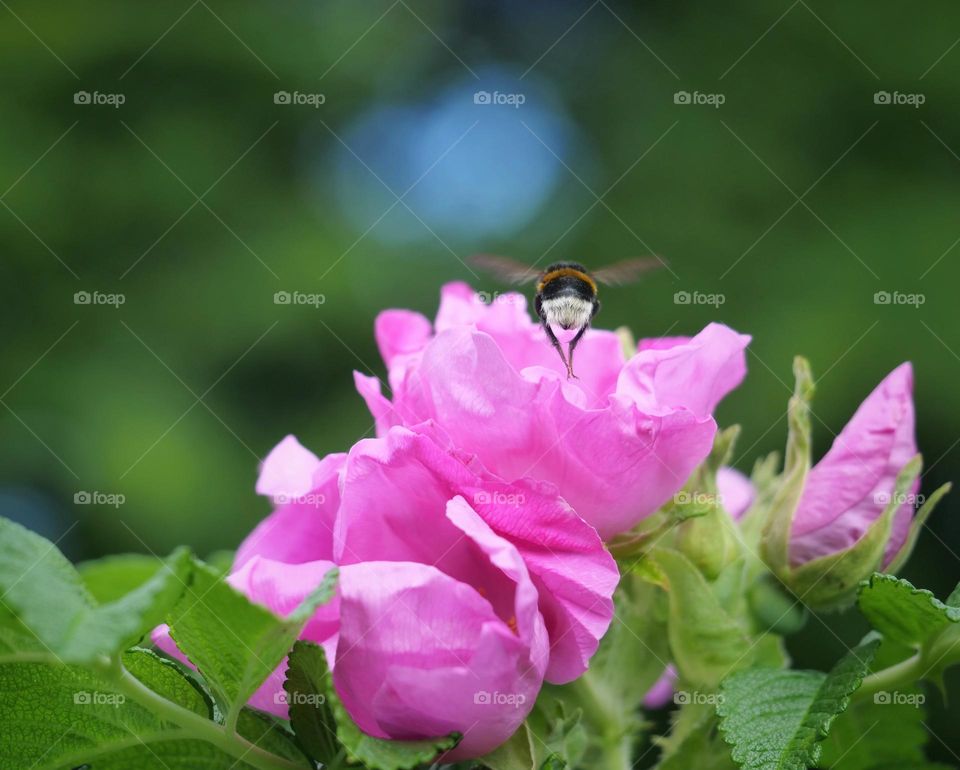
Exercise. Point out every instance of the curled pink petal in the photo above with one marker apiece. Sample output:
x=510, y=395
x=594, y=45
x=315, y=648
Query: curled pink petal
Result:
x=617, y=443
x=850, y=487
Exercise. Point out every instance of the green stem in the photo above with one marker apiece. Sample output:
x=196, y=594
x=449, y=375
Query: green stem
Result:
x=902, y=674
x=198, y=726
x=616, y=742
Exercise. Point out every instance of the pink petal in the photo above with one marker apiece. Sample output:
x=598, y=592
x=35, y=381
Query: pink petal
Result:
x=736, y=491
x=568, y=563
x=301, y=529
x=847, y=490
x=661, y=693
x=421, y=655
x=613, y=465
x=693, y=375
x=288, y=470
x=400, y=332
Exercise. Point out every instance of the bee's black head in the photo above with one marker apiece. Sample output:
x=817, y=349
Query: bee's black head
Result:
x=565, y=263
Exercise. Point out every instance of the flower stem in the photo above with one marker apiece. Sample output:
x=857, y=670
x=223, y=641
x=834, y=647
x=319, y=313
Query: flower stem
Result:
x=196, y=725
x=902, y=674
x=616, y=741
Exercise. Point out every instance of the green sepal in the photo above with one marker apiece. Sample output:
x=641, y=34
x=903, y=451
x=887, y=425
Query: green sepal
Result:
x=831, y=581
x=783, y=506
x=919, y=520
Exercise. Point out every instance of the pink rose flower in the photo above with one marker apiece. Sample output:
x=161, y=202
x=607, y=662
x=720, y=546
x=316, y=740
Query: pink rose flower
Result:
x=851, y=486
x=618, y=442
x=458, y=593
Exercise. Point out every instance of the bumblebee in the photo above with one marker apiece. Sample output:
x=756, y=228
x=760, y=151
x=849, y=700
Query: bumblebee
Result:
x=566, y=293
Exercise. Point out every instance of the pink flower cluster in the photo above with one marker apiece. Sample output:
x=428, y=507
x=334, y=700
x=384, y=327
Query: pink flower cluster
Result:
x=469, y=533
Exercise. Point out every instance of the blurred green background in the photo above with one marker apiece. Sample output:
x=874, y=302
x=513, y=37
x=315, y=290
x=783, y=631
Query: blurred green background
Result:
x=347, y=151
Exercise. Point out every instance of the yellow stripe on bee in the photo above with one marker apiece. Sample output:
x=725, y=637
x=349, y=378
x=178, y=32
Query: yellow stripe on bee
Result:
x=564, y=272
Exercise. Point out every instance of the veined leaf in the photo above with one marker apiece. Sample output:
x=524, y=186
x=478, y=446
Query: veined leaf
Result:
x=61, y=717
x=235, y=643
x=54, y=611
x=775, y=719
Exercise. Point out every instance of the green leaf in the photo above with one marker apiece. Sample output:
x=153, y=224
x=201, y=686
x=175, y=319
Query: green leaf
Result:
x=775, y=719
x=45, y=593
x=516, y=754
x=112, y=577
x=634, y=652
x=871, y=734
x=62, y=717
x=233, y=642
x=907, y=615
x=373, y=753
x=706, y=642
x=306, y=684
x=694, y=743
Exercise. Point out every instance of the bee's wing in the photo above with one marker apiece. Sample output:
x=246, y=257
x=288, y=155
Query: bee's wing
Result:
x=506, y=269
x=627, y=271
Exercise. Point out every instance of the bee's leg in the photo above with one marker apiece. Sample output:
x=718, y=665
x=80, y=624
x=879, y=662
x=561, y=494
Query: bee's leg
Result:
x=555, y=342
x=573, y=344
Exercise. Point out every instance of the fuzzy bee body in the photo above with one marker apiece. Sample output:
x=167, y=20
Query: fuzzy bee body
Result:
x=566, y=298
